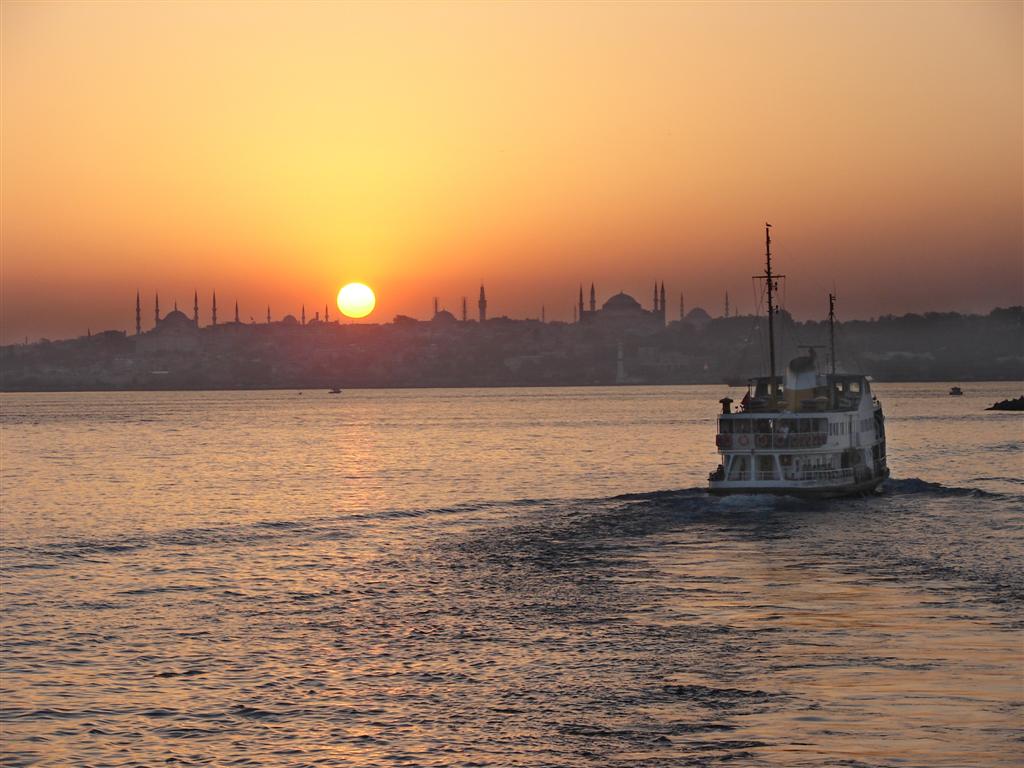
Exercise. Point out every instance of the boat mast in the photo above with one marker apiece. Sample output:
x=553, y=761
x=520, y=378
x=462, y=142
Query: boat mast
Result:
x=832, y=329
x=771, y=278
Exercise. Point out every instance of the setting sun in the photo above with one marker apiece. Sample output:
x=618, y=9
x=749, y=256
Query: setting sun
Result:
x=356, y=300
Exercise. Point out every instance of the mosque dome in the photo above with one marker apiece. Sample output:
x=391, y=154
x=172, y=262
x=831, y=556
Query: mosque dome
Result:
x=176, y=320
x=444, y=316
x=622, y=302
x=698, y=315
x=289, y=320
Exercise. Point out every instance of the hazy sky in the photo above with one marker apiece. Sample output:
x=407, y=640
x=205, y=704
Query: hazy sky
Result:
x=274, y=151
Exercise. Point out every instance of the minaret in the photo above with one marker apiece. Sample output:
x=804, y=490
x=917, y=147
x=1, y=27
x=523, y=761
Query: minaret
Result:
x=580, y=315
x=593, y=299
x=157, y=311
x=195, y=309
x=482, y=304
x=268, y=314
x=655, y=295
x=327, y=315
x=661, y=305
x=464, y=309
x=213, y=314
x=435, y=306
x=682, y=307
x=138, y=313
x=175, y=305
x=303, y=314
x=543, y=315
x=236, y=310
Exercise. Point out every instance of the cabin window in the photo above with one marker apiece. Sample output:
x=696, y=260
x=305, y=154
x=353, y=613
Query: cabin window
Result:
x=766, y=468
x=855, y=387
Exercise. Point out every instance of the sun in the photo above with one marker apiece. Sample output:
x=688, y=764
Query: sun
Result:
x=356, y=300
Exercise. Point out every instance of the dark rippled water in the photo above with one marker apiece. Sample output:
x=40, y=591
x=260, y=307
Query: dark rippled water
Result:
x=503, y=577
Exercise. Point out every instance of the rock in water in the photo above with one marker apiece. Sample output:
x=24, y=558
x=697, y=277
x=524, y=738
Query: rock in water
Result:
x=1016, y=404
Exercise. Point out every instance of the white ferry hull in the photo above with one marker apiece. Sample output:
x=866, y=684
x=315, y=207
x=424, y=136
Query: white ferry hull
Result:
x=810, y=490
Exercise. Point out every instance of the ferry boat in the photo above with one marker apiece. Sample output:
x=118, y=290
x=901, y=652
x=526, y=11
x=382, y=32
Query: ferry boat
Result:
x=804, y=433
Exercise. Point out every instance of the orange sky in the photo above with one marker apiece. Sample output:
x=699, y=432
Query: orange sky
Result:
x=275, y=151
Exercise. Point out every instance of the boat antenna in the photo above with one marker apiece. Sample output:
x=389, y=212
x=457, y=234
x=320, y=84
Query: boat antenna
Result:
x=832, y=329
x=770, y=278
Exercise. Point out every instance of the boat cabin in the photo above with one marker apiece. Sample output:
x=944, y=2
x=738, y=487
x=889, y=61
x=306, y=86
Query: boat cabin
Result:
x=823, y=392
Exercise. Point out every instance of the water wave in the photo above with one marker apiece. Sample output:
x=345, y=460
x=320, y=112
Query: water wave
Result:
x=620, y=512
x=919, y=486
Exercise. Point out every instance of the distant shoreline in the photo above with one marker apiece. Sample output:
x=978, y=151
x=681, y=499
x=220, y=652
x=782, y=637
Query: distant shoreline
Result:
x=324, y=388
x=623, y=344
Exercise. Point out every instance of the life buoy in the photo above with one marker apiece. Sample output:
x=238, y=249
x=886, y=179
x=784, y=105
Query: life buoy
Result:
x=762, y=441
x=743, y=440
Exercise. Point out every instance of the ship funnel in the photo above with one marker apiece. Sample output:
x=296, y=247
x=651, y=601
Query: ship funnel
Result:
x=801, y=380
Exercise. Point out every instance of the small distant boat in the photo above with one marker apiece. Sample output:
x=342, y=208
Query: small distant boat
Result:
x=334, y=391
x=805, y=433
x=955, y=391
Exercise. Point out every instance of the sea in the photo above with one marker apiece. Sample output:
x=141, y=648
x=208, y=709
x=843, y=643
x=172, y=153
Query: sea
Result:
x=498, y=577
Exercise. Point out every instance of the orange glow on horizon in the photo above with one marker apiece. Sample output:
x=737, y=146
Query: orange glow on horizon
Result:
x=253, y=148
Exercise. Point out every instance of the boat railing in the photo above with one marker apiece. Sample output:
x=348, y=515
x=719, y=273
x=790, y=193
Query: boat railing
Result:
x=821, y=475
x=747, y=440
x=807, y=477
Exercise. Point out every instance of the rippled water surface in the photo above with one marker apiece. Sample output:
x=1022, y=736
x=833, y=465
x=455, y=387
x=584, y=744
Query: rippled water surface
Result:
x=498, y=577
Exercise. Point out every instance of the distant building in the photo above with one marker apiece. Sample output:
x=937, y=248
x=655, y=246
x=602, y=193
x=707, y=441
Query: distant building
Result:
x=697, y=317
x=443, y=317
x=623, y=313
x=175, y=332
